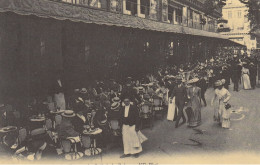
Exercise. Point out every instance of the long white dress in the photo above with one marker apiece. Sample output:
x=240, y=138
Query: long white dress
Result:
x=245, y=78
x=221, y=115
x=171, y=110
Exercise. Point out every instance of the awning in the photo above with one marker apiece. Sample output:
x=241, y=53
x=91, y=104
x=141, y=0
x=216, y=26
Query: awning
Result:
x=63, y=11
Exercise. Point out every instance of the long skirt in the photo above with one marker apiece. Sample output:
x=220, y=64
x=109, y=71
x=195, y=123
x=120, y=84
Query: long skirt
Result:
x=246, y=81
x=60, y=101
x=131, y=142
x=171, y=110
x=195, y=115
x=221, y=115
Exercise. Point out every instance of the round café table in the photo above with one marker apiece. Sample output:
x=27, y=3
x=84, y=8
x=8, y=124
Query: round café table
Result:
x=93, y=150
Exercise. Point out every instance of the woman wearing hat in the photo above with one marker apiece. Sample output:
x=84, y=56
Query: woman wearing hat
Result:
x=220, y=99
x=194, y=103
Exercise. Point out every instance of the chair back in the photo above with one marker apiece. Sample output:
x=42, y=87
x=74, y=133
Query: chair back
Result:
x=114, y=124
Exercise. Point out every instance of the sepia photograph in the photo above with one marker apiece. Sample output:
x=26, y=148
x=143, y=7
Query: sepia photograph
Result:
x=119, y=82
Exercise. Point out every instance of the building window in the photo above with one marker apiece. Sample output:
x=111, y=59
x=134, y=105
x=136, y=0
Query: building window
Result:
x=239, y=14
x=145, y=6
x=170, y=14
x=178, y=16
x=229, y=14
x=131, y=5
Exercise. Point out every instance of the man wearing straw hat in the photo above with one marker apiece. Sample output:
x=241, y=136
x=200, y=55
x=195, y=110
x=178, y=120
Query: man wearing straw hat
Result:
x=67, y=132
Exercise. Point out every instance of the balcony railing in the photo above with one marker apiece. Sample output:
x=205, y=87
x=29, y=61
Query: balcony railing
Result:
x=145, y=11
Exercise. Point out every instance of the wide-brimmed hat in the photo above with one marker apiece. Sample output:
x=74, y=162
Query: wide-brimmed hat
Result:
x=116, y=99
x=83, y=90
x=68, y=113
x=218, y=83
x=115, y=105
x=76, y=90
x=194, y=80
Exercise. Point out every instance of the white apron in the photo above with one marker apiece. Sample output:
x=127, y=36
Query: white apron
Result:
x=131, y=141
x=171, y=110
x=60, y=100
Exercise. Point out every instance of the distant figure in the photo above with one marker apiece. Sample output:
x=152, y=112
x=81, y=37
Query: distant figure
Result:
x=252, y=75
x=236, y=73
x=59, y=97
x=245, y=77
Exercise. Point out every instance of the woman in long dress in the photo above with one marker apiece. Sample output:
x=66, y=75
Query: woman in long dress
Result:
x=220, y=99
x=245, y=77
x=194, y=96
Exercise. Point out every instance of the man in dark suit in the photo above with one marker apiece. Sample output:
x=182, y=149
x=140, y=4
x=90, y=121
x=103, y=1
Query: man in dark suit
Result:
x=252, y=74
x=180, y=94
x=130, y=124
x=236, y=72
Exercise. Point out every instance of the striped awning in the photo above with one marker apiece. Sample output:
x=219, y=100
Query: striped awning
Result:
x=63, y=11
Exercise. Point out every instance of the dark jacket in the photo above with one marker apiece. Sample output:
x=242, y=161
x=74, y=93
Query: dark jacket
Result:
x=133, y=116
x=203, y=85
x=129, y=91
x=180, y=94
x=57, y=88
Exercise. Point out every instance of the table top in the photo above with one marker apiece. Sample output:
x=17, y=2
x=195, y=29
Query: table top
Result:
x=8, y=129
x=57, y=112
x=93, y=132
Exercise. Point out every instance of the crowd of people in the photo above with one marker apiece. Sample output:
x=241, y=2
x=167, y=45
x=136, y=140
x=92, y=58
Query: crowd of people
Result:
x=116, y=108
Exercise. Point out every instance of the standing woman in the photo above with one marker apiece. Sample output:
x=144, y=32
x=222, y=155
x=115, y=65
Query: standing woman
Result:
x=221, y=98
x=245, y=77
x=194, y=96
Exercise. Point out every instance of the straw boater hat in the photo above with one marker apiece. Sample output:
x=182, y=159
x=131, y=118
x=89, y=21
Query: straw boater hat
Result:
x=115, y=105
x=83, y=90
x=218, y=83
x=116, y=99
x=68, y=113
x=194, y=80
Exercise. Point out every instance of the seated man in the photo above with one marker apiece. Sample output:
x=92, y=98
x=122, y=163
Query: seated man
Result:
x=67, y=131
